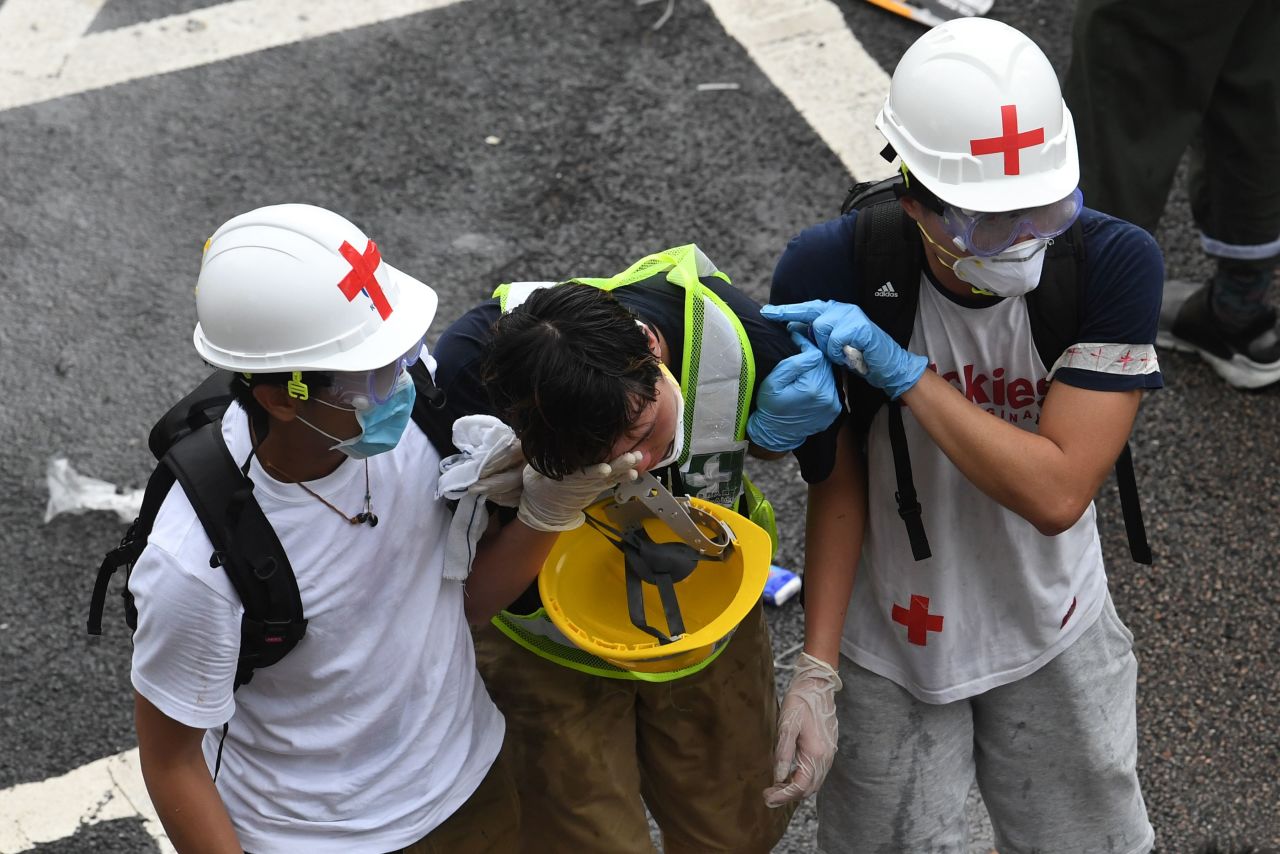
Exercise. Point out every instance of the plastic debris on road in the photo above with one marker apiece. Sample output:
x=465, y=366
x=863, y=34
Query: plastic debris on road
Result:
x=72, y=492
x=781, y=586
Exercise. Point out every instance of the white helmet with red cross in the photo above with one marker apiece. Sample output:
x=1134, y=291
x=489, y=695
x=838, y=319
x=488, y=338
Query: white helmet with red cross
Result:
x=976, y=113
x=298, y=288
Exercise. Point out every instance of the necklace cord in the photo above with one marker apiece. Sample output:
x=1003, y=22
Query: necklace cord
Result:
x=365, y=517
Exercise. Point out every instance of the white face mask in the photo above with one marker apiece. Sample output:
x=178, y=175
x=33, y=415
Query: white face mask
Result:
x=1010, y=273
x=677, y=444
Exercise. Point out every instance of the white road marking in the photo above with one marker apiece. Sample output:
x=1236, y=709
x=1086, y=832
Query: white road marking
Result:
x=41, y=60
x=805, y=49
x=105, y=790
x=802, y=46
x=37, y=35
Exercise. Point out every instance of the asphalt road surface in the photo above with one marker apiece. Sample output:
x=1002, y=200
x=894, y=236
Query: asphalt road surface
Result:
x=485, y=141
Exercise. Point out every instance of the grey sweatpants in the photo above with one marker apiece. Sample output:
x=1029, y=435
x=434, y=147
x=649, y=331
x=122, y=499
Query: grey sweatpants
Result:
x=1054, y=753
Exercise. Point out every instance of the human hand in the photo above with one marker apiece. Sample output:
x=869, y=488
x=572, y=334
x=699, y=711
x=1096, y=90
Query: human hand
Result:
x=797, y=399
x=807, y=732
x=557, y=505
x=840, y=328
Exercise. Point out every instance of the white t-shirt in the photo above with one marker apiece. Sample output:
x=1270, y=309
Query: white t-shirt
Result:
x=997, y=599
x=377, y=726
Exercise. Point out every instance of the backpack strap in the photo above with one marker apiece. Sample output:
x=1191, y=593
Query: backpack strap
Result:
x=908, y=505
x=889, y=262
x=1131, y=507
x=428, y=407
x=1054, y=311
x=202, y=405
x=889, y=259
x=126, y=554
x=244, y=545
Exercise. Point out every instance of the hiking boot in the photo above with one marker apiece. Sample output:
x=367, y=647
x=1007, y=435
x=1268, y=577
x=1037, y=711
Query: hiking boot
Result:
x=1246, y=357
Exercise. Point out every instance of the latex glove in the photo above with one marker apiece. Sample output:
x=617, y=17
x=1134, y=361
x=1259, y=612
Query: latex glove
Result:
x=807, y=731
x=557, y=505
x=797, y=399
x=849, y=338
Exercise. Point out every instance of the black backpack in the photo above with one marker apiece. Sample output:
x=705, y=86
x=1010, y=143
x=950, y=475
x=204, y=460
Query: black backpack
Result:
x=188, y=442
x=887, y=249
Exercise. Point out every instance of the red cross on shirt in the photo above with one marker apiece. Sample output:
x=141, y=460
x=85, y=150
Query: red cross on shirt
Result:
x=361, y=277
x=1010, y=142
x=918, y=620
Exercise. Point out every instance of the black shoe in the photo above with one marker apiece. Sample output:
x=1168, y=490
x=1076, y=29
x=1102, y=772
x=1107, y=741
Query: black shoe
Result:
x=1248, y=357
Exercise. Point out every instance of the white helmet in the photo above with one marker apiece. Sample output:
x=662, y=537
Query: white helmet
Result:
x=975, y=112
x=297, y=288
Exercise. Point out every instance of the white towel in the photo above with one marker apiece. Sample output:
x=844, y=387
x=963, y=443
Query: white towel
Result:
x=488, y=466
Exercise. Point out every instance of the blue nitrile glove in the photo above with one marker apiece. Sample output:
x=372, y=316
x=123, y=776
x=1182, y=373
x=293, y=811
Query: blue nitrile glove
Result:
x=796, y=400
x=848, y=338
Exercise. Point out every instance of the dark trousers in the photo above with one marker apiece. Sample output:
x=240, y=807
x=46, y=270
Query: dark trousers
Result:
x=1148, y=78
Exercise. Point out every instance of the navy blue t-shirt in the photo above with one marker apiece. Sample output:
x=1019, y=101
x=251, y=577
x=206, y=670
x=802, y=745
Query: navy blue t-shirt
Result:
x=654, y=301
x=1120, y=301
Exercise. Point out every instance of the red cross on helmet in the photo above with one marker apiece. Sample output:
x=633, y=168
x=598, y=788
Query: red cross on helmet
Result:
x=975, y=112
x=298, y=288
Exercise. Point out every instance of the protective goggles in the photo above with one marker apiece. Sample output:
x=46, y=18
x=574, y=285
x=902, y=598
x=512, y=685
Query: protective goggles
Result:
x=362, y=389
x=991, y=233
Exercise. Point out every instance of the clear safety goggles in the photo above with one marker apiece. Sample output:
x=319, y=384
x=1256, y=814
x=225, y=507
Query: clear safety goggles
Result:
x=363, y=389
x=991, y=233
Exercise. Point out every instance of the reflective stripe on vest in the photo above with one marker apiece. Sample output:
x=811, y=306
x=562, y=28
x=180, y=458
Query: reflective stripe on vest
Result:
x=536, y=633
x=716, y=378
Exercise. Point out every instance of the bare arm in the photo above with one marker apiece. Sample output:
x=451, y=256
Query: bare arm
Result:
x=507, y=561
x=178, y=781
x=836, y=522
x=764, y=453
x=1047, y=478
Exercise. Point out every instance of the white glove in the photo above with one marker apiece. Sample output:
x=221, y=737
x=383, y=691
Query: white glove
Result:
x=557, y=505
x=807, y=732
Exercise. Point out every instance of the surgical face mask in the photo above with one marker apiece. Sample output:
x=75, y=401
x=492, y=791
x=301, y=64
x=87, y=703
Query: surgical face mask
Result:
x=1011, y=273
x=677, y=444
x=381, y=424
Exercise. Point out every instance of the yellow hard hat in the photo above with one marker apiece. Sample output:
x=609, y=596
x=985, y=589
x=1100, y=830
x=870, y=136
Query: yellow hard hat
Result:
x=598, y=584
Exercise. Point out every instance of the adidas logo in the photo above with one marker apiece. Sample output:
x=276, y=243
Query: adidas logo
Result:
x=886, y=290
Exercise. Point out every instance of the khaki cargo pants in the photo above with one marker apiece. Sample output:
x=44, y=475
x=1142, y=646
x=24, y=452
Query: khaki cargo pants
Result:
x=586, y=749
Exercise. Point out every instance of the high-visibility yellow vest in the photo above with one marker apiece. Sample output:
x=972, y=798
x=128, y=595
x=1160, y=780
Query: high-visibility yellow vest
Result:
x=717, y=376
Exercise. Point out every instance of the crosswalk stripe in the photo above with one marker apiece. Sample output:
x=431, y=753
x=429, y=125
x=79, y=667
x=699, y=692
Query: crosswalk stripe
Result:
x=805, y=49
x=37, y=35
x=42, y=61
x=104, y=790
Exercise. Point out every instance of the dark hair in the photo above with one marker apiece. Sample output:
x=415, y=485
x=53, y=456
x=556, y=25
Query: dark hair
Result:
x=242, y=386
x=913, y=188
x=570, y=371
